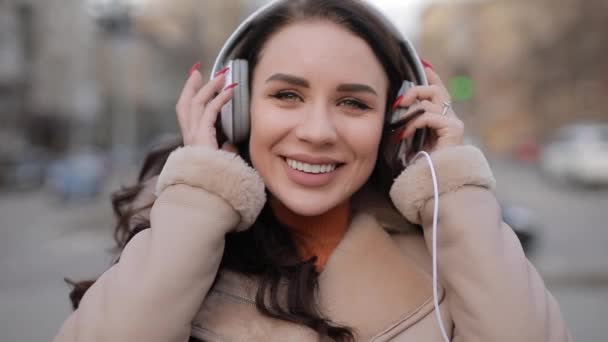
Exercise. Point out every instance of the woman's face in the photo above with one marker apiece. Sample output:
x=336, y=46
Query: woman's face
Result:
x=317, y=111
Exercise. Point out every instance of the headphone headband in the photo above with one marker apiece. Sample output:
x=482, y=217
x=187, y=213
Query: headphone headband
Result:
x=414, y=63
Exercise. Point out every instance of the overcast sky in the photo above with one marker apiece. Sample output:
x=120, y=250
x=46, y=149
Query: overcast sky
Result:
x=404, y=13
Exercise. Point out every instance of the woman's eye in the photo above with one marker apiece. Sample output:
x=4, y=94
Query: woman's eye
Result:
x=355, y=104
x=286, y=96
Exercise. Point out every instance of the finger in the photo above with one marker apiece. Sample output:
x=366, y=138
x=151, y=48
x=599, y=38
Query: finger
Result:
x=432, y=93
x=191, y=87
x=215, y=106
x=417, y=109
x=200, y=100
x=425, y=105
x=206, y=93
x=433, y=77
x=431, y=120
x=434, y=80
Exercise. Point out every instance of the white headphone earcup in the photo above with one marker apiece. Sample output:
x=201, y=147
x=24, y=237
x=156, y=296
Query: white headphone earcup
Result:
x=235, y=114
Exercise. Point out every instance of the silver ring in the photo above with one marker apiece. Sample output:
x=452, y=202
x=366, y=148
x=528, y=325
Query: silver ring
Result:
x=446, y=106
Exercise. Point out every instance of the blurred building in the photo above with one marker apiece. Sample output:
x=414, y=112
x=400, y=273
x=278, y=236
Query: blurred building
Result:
x=45, y=72
x=174, y=35
x=105, y=73
x=535, y=65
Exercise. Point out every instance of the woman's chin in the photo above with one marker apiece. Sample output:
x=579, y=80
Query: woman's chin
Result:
x=308, y=207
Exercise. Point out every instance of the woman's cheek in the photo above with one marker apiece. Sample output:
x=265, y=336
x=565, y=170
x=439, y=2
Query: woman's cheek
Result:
x=365, y=136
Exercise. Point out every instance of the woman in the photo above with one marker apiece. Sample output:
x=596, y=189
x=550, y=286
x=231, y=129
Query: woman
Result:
x=328, y=254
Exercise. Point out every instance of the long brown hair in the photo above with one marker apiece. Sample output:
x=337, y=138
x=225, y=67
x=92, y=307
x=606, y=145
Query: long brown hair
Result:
x=266, y=250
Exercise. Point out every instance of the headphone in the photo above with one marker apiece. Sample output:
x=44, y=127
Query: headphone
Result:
x=235, y=116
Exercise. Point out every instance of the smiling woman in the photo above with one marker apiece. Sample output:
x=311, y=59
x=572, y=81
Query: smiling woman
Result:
x=295, y=233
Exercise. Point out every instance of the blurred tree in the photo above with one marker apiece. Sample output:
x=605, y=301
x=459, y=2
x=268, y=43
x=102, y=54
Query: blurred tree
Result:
x=536, y=65
x=173, y=36
x=572, y=62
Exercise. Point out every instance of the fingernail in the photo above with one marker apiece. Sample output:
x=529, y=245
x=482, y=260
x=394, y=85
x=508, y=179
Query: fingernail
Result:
x=221, y=72
x=397, y=101
x=233, y=85
x=398, y=136
x=195, y=67
x=426, y=63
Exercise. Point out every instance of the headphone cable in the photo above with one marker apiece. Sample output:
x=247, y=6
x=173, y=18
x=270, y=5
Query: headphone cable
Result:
x=435, y=215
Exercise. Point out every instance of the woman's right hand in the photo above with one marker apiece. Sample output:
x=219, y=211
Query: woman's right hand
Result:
x=198, y=107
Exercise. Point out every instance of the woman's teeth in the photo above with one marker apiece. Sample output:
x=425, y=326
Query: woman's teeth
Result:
x=310, y=168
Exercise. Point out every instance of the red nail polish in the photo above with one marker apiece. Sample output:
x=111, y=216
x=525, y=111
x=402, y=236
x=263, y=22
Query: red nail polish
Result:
x=196, y=66
x=221, y=72
x=397, y=101
x=233, y=85
x=398, y=135
x=426, y=63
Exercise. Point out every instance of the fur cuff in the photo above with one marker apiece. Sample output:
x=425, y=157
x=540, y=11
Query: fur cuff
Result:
x=455, y=167
x=219, y=172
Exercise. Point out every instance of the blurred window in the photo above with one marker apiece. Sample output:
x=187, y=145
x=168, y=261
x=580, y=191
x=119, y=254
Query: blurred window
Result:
x=604, y=134
x=25, y=14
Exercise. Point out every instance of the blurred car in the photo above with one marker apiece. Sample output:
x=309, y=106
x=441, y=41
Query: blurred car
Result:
x=524, y=224
x=22, y=169
x=79, y=176
x=522, y=220
x=527, y=151
x=578, y=153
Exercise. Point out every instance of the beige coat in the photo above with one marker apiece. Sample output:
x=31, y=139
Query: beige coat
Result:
x=377, y=281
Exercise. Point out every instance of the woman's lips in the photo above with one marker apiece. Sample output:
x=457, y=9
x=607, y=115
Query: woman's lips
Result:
x=309, y=179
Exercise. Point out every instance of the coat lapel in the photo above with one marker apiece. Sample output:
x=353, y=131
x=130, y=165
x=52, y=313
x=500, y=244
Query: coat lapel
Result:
x=369, y=283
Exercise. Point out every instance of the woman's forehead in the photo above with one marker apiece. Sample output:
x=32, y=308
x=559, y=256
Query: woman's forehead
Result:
x=320, y=48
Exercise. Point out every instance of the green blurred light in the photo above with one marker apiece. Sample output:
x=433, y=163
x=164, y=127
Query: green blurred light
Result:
x=462, y=88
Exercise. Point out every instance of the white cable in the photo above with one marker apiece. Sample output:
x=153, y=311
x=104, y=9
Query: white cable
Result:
x=435, y=214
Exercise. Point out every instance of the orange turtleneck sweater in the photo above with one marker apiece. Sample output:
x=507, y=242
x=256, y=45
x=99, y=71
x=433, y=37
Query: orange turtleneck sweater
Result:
x=315, y=235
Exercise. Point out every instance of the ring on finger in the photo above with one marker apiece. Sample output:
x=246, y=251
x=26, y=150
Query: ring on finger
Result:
x=446, y=107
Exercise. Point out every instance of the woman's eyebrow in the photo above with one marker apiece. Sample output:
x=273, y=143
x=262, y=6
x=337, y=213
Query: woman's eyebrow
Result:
x=298, y=81
x=355, y=87
x=295, y=80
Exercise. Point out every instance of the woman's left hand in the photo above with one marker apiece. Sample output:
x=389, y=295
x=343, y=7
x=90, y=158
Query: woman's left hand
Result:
x=447, y=130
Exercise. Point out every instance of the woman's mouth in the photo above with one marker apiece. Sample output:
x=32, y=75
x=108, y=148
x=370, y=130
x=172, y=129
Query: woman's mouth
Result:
x=309, y=174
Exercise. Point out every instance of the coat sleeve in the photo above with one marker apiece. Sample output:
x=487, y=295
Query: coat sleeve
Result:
x=164, y=272
x=494, y=293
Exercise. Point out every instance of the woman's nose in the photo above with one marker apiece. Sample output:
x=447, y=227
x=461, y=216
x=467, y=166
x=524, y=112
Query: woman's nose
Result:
x=317, y=127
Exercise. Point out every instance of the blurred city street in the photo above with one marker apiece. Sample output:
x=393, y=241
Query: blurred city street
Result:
x=86, y=87
x=572, y=251
x=42, y=241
